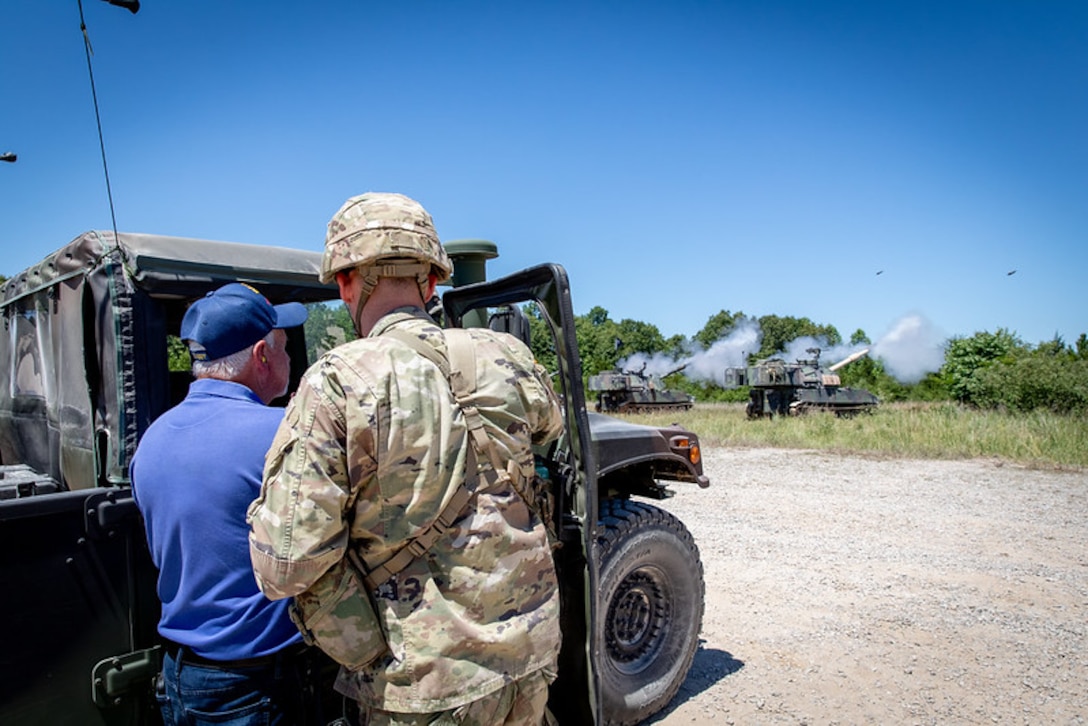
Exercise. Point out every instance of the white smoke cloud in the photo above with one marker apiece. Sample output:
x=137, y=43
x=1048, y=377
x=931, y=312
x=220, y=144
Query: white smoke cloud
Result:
x=910, y=349
x=797, y=349
x=657, y=364
x=705, y=365
x=730, y=351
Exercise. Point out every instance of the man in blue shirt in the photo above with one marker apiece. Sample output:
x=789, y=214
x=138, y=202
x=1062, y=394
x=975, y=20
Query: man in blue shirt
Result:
x=230, y=651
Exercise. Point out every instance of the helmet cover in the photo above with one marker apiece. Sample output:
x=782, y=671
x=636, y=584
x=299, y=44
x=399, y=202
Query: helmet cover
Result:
x=382, y=226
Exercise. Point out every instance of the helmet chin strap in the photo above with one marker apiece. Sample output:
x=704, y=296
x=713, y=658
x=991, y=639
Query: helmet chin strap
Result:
x=357, y=315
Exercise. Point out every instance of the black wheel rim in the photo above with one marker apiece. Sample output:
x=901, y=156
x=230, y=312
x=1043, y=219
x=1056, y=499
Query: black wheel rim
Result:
x=638, y=614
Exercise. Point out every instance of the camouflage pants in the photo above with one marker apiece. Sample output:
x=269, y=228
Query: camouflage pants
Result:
x=520, y=703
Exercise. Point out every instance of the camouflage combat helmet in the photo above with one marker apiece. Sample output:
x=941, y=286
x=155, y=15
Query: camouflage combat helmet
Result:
x=384, y=232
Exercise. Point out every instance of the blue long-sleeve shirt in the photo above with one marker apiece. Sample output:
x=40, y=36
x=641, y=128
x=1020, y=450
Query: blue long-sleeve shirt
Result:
x=196, y=470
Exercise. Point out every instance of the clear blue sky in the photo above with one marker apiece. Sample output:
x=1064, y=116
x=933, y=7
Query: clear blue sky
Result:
x=679, y=158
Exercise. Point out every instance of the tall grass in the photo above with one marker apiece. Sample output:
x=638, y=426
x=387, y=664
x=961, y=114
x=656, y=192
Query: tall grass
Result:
x=934, y=431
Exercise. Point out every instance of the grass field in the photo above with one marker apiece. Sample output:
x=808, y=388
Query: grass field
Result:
x=928, y=431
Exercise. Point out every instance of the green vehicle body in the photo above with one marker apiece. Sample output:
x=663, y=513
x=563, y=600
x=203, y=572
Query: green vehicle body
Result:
x=84, y=371
x=778, y=388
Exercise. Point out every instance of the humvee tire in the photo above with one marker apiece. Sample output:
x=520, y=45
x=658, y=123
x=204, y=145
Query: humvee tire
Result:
x=651, y=583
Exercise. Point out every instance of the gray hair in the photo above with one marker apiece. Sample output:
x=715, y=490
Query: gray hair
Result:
x=229, y=367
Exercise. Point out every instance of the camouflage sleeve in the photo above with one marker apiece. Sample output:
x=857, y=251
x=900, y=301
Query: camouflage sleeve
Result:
x=549, y=415
x=297, y=524
x=541, y=404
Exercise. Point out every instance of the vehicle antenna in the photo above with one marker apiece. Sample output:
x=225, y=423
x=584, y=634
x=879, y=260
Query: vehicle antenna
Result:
x=133, y=7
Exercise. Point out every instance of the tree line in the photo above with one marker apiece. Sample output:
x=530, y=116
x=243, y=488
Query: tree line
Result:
x=992, y=370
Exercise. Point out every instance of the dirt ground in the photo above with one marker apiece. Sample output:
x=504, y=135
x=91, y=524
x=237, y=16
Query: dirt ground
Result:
x=846, y=590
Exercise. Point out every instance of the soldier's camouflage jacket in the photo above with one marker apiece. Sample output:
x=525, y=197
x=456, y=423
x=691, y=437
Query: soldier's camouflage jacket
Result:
x=371, y=445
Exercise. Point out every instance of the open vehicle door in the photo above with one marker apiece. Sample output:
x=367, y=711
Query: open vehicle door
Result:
x=574, y=695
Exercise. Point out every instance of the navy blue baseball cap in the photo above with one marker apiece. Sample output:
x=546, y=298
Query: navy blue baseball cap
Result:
x=232, y=318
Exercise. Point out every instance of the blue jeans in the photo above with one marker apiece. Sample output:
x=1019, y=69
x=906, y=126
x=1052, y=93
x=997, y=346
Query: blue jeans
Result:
x=195, y=694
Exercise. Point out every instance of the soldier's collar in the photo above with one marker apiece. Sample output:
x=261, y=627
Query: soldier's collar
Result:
x=399, y=315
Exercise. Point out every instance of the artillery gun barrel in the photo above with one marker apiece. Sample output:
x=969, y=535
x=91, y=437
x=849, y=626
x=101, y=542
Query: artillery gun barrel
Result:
x=849, y=359
x=675, y=370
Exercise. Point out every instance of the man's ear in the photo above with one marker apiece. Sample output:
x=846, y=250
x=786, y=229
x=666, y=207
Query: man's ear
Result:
x=343, y=281
x=260, y=351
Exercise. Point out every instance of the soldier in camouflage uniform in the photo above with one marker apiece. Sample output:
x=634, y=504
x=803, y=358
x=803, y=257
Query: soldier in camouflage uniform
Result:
x=373, y=445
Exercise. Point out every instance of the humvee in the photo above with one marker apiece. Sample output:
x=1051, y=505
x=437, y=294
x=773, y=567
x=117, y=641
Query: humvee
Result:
x=84, y=369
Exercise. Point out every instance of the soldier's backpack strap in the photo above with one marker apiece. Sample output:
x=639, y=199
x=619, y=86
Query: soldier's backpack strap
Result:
x=460, y=370
x=462, y=377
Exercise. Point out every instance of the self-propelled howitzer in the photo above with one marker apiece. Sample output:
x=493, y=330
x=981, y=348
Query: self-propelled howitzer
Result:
x=778, y=388
x=631, y=391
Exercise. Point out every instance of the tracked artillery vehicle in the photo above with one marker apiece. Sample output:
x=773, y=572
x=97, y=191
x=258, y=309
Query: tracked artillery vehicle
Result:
x=630, y=391
x=778, y=388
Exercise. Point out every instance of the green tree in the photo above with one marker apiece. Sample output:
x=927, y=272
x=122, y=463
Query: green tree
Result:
x=598, y=340
x=870, y=374
x=1053, y=347
x=603, y=342
x=859, y=338
x=966, y=358
x=177, y=355
x=778, y=332
x=718, y=326
x=1080, y=349
x=676, y=346
x=540, y=336
x=597, y=316
x=1039, y=380
x=328, y=325
x=638, y=337
x=934, y=387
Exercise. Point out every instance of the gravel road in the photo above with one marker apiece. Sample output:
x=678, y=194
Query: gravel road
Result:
x=847, y=590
